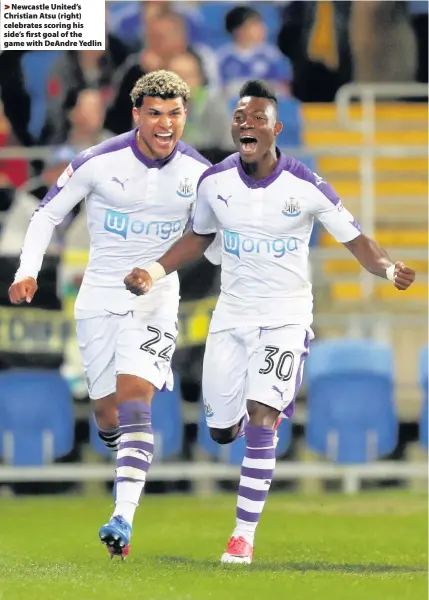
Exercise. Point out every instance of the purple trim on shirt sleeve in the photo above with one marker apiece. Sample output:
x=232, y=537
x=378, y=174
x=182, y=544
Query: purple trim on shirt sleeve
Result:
x=356, y=225
x=190, y=151
x=53, y=191
x=230, y=162
x=298, y=169
x=111, y=145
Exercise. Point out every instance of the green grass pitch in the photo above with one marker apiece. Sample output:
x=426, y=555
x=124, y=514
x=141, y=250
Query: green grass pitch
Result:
x=368, y=547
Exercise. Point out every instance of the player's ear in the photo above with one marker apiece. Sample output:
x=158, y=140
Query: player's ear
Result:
x=136, y=116
x=278, y=127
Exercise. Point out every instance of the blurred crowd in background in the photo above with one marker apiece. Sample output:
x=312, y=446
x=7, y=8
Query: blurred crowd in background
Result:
x=70, y=100
x=307, y=50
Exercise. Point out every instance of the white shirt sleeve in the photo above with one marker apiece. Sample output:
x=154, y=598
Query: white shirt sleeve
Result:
x=205, y=221
x=71, y=187
x=214, y=251
x=329, y=210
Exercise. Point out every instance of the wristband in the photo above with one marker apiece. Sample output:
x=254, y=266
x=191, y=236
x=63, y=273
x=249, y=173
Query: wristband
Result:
x=21, y=276
x=156, y=271
x=390, y=272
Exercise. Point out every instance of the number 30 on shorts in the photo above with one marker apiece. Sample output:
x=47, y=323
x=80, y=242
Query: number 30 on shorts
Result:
x=164, y=353
x=283, y=364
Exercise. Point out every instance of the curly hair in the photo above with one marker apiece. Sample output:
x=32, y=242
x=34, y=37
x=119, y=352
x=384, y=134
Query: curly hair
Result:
x=162, y=84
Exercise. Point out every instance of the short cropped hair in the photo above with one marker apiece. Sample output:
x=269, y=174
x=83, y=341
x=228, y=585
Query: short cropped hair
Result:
x=237, y=16
x=258, y=88
x=159, y=84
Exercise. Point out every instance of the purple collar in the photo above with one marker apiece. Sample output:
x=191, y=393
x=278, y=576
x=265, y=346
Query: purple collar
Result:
x=266, y=181
x=149, y=162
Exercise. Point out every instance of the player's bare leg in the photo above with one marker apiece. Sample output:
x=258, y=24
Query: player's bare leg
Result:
x=106, y=419
x=255, y=480
x=229, y=434
x=134, y=396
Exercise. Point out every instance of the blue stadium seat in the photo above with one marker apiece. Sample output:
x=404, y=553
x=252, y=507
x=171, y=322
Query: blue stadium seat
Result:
x=167, y=425
x=233, y=453
x=423, y=368
x=36, y=417
x=95, y=442
x=291, y=116
x=351, y=412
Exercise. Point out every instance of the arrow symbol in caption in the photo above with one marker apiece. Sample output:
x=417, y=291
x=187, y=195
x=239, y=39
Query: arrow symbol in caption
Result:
x=6, y=6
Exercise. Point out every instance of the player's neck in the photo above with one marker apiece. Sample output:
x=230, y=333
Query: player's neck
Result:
x=263, y=168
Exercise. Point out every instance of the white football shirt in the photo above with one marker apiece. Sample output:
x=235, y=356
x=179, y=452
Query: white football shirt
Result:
x=136, y=209
x=265, y=227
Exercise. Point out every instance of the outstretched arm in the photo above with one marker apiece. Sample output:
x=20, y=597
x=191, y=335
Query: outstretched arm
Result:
x=375, y=259
x=341, y=224
x=185, y=251
x=71, y=187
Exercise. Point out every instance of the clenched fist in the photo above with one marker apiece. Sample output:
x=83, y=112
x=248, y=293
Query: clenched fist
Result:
x=138, y=282
x=22, y=290
x=403, y=276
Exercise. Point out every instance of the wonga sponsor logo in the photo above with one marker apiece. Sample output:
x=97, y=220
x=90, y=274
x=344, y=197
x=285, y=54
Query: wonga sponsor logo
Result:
x=235, y=243
x=121, y=224
x=116, y=223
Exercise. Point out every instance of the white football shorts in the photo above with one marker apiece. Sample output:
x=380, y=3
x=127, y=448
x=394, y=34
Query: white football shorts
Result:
x=131, y=344
x=252, y=363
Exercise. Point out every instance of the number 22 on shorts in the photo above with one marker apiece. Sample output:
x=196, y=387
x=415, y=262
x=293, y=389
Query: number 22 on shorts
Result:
x=167, y=351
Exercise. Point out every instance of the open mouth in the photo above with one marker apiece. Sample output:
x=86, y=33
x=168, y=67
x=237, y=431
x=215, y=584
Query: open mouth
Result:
x=248, y=143
x=164, y=139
